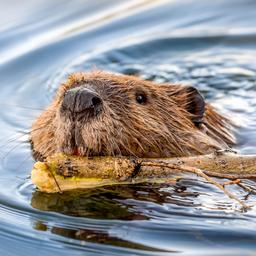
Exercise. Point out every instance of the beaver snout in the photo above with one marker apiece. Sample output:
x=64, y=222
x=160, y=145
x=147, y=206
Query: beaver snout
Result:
x=80, y=99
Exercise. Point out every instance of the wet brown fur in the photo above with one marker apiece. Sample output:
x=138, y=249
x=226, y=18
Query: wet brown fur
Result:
x=162, y=127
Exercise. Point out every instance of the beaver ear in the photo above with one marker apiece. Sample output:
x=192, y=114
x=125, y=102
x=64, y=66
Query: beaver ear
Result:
x=195, y=104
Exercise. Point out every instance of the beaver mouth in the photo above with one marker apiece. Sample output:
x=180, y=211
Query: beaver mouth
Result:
x=84, y=152
x=89, y=152
x=75, y=140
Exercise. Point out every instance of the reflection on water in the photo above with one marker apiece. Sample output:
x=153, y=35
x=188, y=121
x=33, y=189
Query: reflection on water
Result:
x=208, y=44
x=95, y=203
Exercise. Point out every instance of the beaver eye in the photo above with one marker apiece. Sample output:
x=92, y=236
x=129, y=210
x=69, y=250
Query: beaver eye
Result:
x=141, y=98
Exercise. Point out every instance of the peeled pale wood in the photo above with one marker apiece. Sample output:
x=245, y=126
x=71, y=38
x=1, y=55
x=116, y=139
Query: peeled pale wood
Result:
x=60, y=172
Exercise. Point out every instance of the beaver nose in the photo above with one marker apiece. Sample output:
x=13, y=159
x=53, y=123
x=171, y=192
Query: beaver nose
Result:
x=80, y=99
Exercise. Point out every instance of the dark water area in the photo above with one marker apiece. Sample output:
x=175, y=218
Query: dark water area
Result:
x=209, y=44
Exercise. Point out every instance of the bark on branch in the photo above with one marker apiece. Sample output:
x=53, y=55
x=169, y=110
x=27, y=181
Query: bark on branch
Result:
x=73, y=172
x=61, y=172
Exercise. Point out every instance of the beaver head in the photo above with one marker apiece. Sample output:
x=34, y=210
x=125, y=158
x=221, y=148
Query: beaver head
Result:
x=104, y=114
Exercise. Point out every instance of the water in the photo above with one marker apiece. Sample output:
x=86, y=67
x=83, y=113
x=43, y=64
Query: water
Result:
x=210, y=44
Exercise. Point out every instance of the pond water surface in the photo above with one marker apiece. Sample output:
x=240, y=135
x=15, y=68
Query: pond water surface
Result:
x=209, y=44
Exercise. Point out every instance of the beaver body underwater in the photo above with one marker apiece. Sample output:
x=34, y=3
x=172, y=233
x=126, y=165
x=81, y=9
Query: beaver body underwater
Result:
x=102, y=114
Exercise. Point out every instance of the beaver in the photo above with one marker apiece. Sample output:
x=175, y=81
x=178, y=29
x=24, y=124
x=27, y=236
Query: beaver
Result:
x=103, y=114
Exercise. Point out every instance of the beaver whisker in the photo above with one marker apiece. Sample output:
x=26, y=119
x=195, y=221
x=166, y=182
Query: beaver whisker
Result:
x=15, y=139
x=9, y=151
x=20, y=106
x=43, y=126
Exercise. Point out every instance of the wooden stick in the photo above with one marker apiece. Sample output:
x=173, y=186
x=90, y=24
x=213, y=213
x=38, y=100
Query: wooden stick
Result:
x=73, y=172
